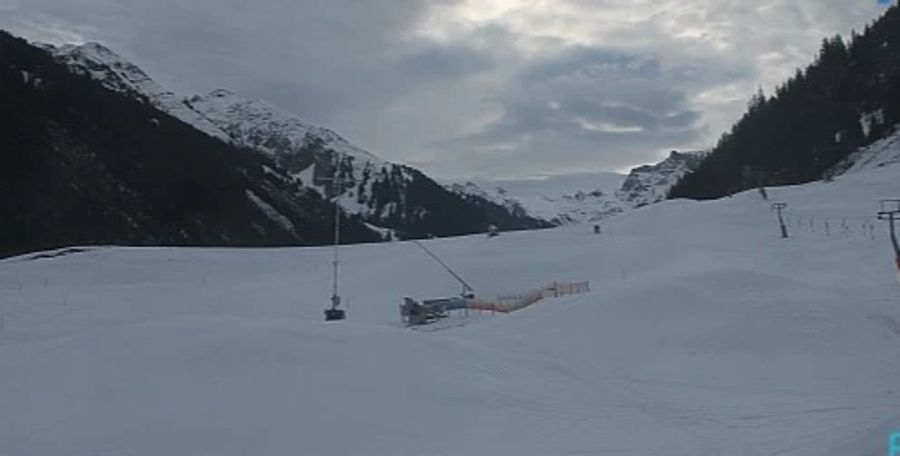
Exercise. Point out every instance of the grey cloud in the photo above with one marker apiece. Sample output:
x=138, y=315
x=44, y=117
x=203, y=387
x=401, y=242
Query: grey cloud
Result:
x=582, y=108
x=333, y=47
x=590, y=62
x=444, y=61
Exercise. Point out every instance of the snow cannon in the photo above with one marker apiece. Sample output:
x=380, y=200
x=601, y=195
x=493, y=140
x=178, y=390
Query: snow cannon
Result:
x=493, y=231
x=415, y=313
x=335, y=314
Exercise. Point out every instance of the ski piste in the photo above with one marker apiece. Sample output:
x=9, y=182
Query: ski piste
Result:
x=704, y=330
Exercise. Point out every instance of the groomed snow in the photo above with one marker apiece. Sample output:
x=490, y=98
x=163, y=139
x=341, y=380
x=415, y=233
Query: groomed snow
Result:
x=706, y=335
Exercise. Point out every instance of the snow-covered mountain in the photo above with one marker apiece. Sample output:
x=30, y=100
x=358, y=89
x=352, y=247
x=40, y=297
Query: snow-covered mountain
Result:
x=265, y=127
x=585, y=197
x=307, y=151
x=651, y=183
x=562, y=199
x=385, y=194
x=83, y=165
x=117, y=74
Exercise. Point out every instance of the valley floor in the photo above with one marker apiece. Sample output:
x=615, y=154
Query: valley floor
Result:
x=706, y=334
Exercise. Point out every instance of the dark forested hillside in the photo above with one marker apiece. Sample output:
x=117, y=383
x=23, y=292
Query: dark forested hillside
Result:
x=849, y=97
x=80, y=164
x=450, y=212
x=387, y=195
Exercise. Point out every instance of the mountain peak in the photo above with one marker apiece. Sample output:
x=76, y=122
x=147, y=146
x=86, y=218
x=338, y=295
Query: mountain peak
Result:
x=101, y=63
x=649, y=184
x=91, y=47
x=91, y=50
x=221, y=113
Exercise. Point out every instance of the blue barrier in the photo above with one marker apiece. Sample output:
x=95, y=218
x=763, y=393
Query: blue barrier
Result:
x=455, y=303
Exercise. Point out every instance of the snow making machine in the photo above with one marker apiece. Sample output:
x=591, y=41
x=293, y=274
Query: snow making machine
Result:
x=416, y=313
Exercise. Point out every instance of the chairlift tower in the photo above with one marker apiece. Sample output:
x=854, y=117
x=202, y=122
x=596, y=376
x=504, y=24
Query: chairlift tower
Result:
x=779, y=208
x=334, y=312
x=890, y=211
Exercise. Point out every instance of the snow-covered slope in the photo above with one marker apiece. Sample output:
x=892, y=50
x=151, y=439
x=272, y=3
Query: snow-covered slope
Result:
x=386, y=195
x=707, y=334
x=880, y=153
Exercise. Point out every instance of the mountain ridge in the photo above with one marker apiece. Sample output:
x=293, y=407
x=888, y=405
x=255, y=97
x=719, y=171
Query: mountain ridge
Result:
x=373, y=188
x=85, y=165
x=386, y=195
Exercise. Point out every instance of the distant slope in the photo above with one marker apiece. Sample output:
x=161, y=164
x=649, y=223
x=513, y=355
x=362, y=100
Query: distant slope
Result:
x=81, y=164
x=878, y=154
x=384, y=194
x=585, y=197
x=847, y=99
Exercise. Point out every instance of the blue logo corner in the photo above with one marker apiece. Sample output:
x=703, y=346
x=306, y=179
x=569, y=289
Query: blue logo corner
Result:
x=894, y=444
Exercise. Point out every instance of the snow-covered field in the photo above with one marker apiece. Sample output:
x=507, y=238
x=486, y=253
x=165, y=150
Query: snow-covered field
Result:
x=706, y=334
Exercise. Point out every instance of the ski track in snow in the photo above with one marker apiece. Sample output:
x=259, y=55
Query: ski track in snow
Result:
x=706, y=334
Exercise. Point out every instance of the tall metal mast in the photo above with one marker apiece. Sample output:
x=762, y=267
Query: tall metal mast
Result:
x=890, y=211
x=334, y=313
x=779, y=208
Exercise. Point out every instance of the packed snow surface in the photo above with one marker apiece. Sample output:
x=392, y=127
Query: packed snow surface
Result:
x=706, y=334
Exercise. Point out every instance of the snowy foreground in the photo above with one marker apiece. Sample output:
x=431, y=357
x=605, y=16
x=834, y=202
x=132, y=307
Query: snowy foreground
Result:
x=706, y=334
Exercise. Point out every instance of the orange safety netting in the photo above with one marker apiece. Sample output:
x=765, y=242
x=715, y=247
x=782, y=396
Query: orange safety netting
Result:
x=511, y=303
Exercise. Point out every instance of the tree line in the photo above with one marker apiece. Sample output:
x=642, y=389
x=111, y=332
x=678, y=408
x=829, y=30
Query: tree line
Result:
x=847, y=98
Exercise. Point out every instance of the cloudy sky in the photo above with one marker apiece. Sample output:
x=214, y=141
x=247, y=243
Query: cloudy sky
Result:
x=460, y=88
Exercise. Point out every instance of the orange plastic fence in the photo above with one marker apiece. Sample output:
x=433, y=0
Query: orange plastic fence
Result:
x=512, y=303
